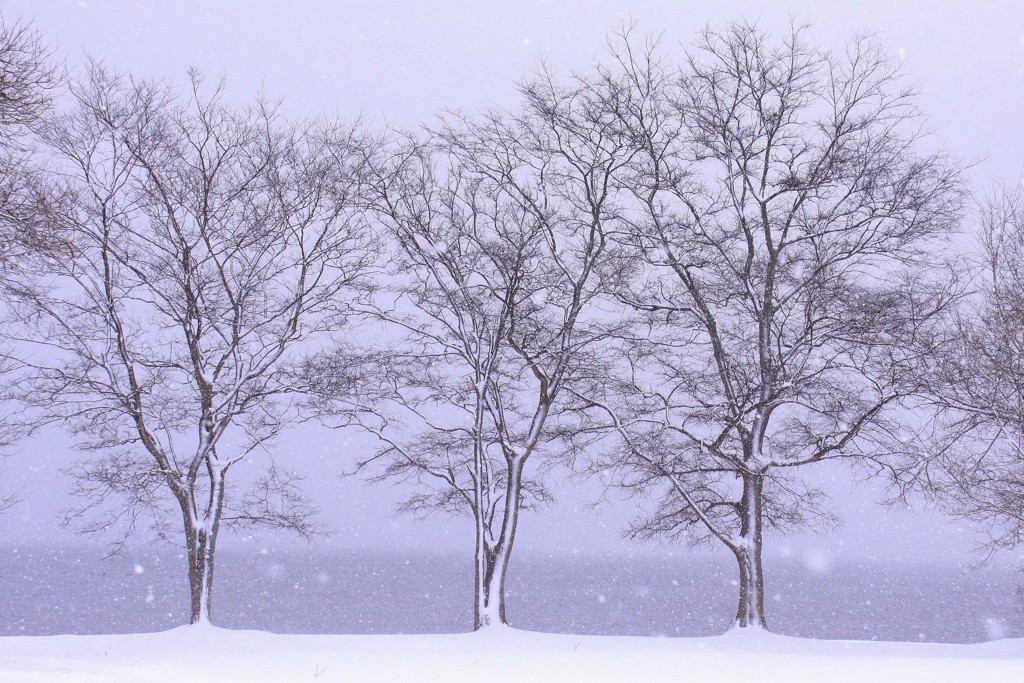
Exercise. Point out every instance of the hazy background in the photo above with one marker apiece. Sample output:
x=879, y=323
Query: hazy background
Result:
x=401, y=61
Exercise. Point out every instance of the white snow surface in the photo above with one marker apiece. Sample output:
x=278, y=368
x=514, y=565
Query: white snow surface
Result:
x=208, y=653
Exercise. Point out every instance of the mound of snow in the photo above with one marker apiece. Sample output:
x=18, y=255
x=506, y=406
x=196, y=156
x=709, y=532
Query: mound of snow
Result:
x=208, y=653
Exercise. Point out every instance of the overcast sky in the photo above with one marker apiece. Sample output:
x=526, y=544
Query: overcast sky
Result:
x=402, y=61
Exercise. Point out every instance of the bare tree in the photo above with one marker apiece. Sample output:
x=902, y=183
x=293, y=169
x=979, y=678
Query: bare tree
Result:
x=501, y=261
x=209, y=244
x=976, y=382
x=29, y=78
x=462, y=253
x=790, y=233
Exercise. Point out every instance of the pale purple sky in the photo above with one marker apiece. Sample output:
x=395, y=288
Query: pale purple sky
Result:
x=402, y=61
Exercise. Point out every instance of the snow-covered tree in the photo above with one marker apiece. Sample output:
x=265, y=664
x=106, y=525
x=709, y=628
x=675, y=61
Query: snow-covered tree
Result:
x=791, y=234
x=976, y=465
x=28, y=80
x=208, y=245
x=501, y=259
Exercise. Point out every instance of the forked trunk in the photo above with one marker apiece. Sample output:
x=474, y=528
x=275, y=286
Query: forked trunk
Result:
x=492, y=561
x=201, y=539
x=490, y=598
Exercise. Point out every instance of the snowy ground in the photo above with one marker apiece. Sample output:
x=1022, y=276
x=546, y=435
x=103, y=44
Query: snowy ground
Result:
x=211, y=654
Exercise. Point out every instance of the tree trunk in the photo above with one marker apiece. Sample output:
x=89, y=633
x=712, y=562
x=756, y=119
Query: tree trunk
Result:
x=490, y=594
x=480, y=553
x=750, y=611
x=202, y=543
x=200, y=577
x=490, y=597
x=483, y=599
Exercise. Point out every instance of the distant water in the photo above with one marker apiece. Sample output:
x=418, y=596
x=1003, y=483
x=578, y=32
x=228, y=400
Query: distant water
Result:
x=74, y=591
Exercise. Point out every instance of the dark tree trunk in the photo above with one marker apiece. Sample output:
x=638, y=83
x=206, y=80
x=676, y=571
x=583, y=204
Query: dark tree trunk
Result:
x=200, y=578
x=750, y=610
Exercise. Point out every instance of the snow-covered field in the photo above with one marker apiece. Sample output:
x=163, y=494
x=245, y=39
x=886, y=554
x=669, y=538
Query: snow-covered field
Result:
x=60, y=592
x=205, y=653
